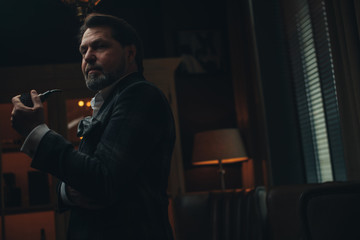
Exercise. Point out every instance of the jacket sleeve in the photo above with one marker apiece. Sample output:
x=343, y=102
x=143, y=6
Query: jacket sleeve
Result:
x=138, y=123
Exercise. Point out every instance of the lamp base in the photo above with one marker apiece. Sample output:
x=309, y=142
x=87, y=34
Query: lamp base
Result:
x=222, y=175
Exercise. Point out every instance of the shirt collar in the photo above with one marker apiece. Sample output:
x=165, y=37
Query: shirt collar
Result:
x=100, y=97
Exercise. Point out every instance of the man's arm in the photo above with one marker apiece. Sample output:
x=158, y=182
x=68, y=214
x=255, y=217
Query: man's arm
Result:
x=136, y=125
x=33, y=139
x=29, y=122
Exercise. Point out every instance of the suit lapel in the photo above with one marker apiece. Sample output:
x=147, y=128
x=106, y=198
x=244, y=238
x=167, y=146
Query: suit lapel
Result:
x=94, y=125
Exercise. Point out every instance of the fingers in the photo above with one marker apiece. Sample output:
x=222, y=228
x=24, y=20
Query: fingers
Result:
x=17, y=104
x=35, y=98
x=16, y=100
x=23, y=118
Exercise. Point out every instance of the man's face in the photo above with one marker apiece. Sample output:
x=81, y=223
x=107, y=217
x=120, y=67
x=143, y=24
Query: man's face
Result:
x=104, y=60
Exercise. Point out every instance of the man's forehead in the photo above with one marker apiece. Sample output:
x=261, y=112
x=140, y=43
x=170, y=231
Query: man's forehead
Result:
x=96, y=32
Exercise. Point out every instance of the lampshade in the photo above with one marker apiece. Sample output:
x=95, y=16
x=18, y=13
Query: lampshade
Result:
x=222, y=144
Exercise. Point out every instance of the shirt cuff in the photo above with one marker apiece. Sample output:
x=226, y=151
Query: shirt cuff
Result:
x=63, y=195
x=32, y=141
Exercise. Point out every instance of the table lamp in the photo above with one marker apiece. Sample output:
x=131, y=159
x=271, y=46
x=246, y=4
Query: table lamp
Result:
x=222, y=146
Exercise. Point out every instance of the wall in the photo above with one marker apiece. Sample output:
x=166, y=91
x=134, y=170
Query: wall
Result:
x=205, y=98
x=285, y=155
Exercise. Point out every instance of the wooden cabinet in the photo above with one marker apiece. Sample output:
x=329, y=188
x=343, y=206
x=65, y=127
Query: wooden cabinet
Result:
x=27, y=195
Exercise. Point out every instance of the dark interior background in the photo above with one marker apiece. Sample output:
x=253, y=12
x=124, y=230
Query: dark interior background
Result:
x=44, y=32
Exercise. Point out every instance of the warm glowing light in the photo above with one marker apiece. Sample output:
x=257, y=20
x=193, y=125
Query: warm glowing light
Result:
x=88, y=104
x=83, y=7
x=81, y=138
x=81, y=103
x=87, y=1
x=223, y=161
x=83, y=1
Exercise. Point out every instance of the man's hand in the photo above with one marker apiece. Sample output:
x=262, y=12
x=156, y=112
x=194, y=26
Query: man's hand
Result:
x=80, y=200
x=24, y=119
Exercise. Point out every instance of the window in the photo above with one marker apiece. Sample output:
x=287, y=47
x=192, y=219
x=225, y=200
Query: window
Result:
x=315, y=92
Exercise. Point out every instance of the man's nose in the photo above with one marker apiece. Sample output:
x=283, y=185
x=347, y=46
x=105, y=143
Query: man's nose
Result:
x=89, y=56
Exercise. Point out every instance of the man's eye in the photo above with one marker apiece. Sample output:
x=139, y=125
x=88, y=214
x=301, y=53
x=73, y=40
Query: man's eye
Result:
x=83, y=52
x=100, y=46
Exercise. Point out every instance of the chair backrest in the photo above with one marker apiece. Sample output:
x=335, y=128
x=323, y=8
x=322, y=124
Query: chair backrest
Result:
x=227, y=214
x=331, y=212
x=192, y=217
x=234, y=214
x=283, y=211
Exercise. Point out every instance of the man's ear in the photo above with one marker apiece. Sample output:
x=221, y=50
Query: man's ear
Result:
x=131, y=53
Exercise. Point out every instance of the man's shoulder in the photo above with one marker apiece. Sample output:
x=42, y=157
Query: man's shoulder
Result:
x=136, y=82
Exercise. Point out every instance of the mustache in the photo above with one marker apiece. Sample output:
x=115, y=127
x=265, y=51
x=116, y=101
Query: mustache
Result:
x=93, y=67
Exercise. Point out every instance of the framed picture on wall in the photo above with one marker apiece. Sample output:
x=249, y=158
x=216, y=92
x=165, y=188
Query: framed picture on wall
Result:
x=201, y=51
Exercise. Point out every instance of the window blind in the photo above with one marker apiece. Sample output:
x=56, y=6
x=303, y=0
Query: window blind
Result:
x=314, y=86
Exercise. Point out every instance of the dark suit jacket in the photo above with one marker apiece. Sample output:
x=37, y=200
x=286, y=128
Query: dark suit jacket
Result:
x=123, y=163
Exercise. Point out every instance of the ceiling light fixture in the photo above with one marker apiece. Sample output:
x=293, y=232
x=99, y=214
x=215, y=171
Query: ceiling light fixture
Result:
x=83, y=7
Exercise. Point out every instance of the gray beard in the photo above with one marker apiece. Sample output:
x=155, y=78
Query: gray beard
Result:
x=99, y=82
x=96, y=83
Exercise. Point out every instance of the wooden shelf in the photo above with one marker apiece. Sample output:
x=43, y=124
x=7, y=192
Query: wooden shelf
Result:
x=30, y=209
x=14, y=146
